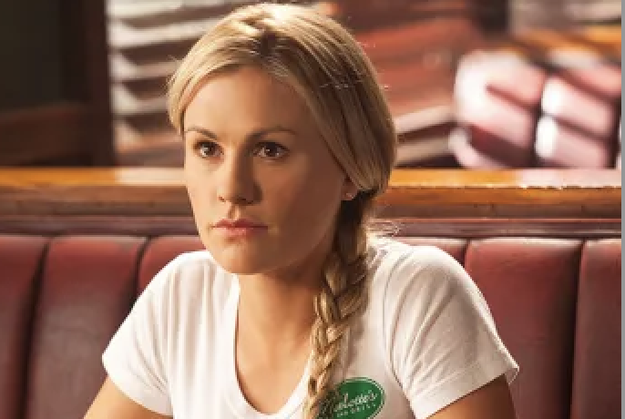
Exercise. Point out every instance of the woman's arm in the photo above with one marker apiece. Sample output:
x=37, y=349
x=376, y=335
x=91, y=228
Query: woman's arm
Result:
x=492, y=401
x=112, y=403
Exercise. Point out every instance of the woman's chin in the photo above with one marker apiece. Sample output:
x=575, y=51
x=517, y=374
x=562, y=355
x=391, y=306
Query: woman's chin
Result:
x=241, y=264
x=240, y=268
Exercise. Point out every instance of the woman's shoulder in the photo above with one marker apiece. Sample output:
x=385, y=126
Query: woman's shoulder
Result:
x=390, y=253
x=398, y=265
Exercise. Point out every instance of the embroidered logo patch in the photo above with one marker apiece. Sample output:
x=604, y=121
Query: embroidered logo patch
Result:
x=355, y=398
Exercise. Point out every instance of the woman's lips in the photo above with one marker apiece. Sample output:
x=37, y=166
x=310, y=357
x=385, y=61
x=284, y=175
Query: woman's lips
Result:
x=238, y=223
x=239, y=228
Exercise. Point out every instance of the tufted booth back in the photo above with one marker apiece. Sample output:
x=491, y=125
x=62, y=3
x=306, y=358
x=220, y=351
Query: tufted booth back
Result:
x=556, y=303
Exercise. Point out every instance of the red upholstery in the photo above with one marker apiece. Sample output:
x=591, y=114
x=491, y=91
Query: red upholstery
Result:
x=531, y=287
x=161, y=250
x=598, y=332
x=556, y=303
x=20, y=261
x=87, y=288
x=516, y=113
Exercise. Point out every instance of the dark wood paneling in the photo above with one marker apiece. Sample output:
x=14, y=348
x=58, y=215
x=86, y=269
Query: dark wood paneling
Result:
x=44, y=134
x=86, y=76
x=361, y=15
x=54, y=84
x=30, y=53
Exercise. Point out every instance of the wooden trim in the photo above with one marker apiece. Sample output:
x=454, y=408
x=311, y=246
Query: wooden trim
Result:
x=50, y=225
x=153, y=226
x=506, y=227
x=425, y=194
x=529, y=193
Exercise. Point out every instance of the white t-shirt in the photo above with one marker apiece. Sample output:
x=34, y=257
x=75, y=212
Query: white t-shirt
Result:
x=426, y=339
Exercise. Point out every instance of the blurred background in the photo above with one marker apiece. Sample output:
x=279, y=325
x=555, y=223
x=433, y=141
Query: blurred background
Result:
x=471, y=83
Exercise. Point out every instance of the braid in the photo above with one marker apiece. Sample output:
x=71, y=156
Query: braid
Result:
x=342, y=297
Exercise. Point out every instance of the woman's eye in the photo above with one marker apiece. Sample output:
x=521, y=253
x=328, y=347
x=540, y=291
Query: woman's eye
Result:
x=271, y=150
x=207, y=149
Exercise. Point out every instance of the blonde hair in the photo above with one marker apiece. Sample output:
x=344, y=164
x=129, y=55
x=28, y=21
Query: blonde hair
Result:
x=323, y=63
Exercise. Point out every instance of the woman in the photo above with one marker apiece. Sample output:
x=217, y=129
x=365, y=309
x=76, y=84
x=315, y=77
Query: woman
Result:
x=296, y=310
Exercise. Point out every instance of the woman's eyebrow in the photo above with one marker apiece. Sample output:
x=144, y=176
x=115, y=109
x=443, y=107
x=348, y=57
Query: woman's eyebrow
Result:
x=203, y=131
x=252, y=136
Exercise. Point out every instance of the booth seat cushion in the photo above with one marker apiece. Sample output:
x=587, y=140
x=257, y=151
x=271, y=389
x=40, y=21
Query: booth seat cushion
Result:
x=556, y=303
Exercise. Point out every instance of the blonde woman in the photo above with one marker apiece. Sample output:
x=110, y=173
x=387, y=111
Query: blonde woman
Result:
x=295, y=310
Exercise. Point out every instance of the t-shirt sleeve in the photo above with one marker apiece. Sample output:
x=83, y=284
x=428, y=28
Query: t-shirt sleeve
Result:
x=135, y=357
x=443, y=339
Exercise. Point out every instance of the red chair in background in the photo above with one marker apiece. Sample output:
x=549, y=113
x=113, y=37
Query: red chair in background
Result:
x=512, y=111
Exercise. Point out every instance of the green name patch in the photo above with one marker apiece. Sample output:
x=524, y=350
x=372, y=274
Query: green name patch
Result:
x=355, y=398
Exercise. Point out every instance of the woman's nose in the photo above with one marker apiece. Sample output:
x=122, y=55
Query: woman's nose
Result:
x=236, y=184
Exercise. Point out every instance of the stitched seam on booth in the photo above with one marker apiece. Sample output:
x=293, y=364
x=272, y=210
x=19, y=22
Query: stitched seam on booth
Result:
x=29, y=337
x=580, y=253
x=137, y=269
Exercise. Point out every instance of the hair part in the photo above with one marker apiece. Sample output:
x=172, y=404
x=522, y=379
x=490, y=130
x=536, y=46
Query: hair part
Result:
x=324, y=64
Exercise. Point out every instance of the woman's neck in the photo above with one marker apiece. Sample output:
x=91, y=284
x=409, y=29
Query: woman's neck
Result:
x=276, y=310
x=272, y=343
x=277, y=306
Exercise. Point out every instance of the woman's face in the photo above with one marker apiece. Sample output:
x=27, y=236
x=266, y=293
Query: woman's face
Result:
x=264, y=188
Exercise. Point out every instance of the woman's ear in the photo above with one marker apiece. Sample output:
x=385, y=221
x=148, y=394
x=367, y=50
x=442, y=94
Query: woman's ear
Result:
x=349, y=190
